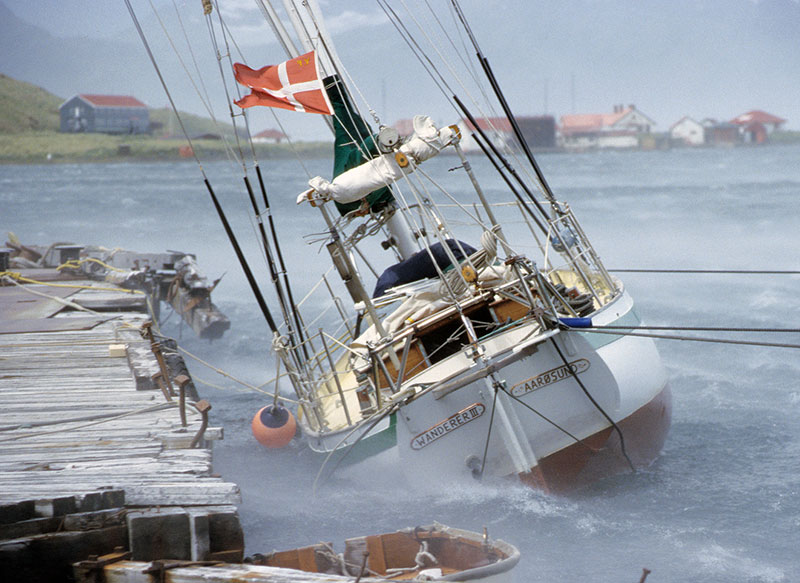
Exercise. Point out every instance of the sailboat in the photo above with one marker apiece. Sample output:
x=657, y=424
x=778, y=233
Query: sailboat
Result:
x=482, y=349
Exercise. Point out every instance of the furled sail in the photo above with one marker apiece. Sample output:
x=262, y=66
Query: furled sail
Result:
x=355, y=177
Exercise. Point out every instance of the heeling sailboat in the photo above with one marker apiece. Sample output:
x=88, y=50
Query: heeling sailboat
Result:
x=469, y=357
x=468, y=360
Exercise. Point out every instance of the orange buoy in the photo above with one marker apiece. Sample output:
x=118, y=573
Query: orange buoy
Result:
x=274, y=426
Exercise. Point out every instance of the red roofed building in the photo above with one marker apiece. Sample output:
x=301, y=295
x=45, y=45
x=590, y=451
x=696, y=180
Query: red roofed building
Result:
x=269, y=137
x=619, y=129
x=107, y=114
x=756, y=125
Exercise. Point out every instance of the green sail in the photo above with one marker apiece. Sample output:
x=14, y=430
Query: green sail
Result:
x=353, y=140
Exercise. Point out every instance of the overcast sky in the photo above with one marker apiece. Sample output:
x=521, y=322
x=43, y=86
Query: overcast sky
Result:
x=715, y=58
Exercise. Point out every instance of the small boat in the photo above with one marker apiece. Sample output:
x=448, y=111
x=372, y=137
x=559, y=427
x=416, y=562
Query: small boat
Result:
x=429, y=553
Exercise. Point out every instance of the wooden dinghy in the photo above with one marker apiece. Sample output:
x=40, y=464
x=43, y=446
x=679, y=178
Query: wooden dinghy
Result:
x=430, y=553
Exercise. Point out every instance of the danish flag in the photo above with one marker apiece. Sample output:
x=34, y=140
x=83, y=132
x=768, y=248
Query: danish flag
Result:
x=295, y=84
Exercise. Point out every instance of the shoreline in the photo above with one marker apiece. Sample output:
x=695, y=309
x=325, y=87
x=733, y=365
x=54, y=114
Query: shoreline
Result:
x=57, y=148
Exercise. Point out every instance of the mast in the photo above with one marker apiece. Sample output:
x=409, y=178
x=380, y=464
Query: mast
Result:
x=277, y=27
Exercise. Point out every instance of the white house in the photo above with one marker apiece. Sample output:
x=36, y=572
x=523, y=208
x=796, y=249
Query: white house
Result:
x=620, y=129
x=688, y=131
x=269, y=137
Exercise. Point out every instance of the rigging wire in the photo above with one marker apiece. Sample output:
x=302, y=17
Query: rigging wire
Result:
x=226, y=225
x=278, y=273
x=194, y=59
x=430, y=68
x=468, y=65
x=203, y=96
x=282, y=286
x=545, y=187
x=485, y=144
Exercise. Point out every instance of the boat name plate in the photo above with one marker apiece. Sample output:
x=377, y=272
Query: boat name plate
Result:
x=449, y=425
x=549, y=377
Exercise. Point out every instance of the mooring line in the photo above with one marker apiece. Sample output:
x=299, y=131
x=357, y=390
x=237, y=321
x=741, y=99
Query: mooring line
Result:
x=701, y=329
x=602, y=411
x=712, y=271
x=689, y=338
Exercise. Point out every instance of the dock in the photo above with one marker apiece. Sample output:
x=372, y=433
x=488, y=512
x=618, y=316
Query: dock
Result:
x=105, y=447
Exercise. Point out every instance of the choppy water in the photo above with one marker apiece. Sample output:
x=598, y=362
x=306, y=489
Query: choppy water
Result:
x=722, y=504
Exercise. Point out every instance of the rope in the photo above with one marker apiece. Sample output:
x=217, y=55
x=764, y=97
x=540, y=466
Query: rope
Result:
x=711, y=271
x=701, y=329
x=550, y=421
x=16, y=277
x=76, y=263
x=595, y=403
x=234, y=379
x=690, y=338
x=479, y=260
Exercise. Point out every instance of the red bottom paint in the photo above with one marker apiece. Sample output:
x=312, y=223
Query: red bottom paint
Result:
x=600, y=455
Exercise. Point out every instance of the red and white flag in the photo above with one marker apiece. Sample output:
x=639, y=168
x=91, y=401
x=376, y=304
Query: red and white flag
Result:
x=295, y=84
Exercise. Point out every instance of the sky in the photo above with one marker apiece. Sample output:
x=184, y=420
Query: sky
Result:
x=699, y=58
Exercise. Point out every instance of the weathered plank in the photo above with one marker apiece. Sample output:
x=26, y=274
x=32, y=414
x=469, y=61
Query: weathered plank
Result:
x=86, y=437
x=138, y=572
x=53, y=387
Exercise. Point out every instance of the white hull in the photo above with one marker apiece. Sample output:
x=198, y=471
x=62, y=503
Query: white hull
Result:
x=541, y=413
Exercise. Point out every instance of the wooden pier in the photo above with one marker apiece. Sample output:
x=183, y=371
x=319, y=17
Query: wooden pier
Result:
x=104, y=445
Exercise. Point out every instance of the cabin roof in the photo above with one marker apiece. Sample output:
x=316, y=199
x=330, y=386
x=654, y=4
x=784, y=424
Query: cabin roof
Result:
x=500, y=124
x=111, y=100
x=590, y=121
x=270, y=134
x=757, y=116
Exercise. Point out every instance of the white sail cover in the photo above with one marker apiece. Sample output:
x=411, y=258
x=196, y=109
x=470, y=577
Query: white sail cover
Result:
x=424, y=143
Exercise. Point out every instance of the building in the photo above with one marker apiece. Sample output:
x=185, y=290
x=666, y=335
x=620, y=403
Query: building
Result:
x=619, y=129
x=721, y=133
x=269, y=137
x=756, y=126
x=687, y=132
x=106, y=114
x=539, y=131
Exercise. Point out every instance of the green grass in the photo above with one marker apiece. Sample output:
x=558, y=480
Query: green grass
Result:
x=42, y=147
x=165, y=124
x=29, y=133
x=785, y=137
x=25, y=107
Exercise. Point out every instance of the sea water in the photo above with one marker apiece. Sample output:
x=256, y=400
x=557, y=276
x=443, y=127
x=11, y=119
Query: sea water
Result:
x=721, y=504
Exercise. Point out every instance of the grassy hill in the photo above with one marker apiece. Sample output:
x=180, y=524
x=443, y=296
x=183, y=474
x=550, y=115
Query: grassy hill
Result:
x=165, y=124
x=25, y=107
x=29, y=132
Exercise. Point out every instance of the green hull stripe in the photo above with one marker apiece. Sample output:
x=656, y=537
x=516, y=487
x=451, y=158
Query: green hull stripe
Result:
x=372, y=445
x=598, y=340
